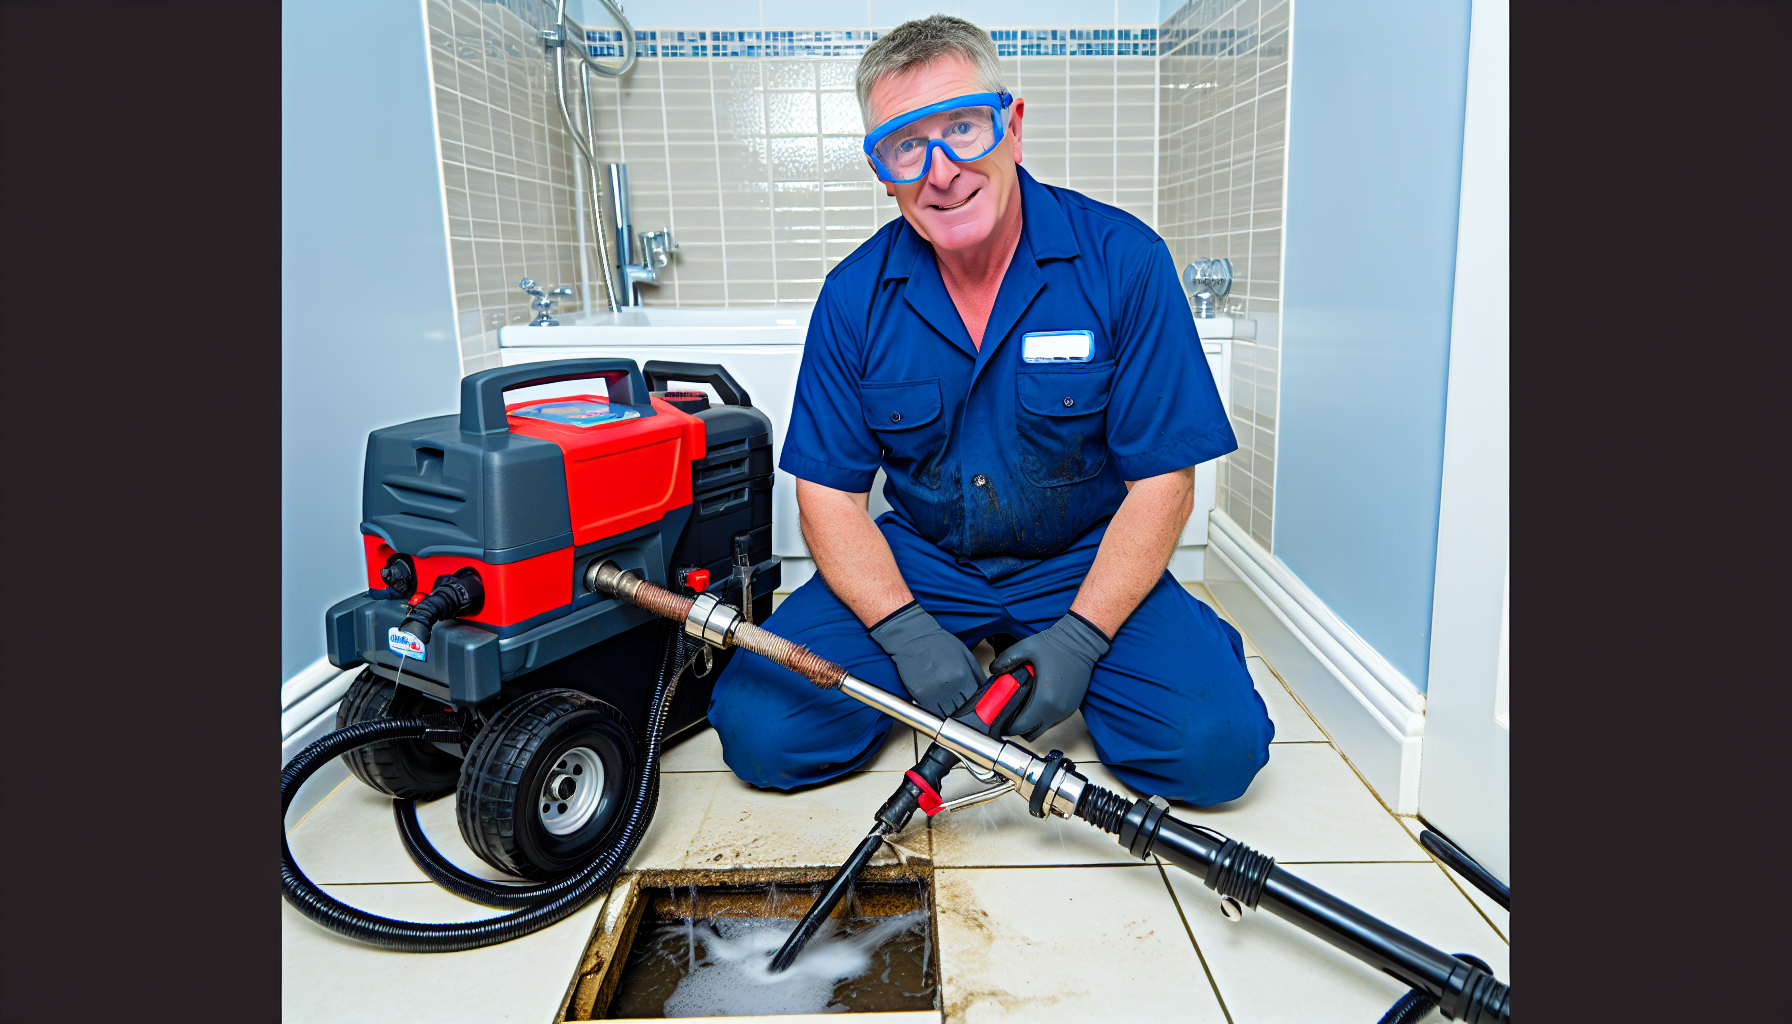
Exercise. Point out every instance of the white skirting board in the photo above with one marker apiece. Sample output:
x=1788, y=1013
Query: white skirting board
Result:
x=307, y=712
x=1372, y=712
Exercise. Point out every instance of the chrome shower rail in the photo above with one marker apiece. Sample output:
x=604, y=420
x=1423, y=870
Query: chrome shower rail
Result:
x=556, y=39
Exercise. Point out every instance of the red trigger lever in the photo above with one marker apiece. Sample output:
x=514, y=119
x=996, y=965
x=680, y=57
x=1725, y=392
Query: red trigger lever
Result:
x=1001, y=690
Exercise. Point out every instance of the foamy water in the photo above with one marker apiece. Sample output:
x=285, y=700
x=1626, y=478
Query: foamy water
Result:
x=732, y=977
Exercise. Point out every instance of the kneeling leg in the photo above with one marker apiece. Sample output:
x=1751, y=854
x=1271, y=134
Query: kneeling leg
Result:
x=780, y=731
x=1172, y=709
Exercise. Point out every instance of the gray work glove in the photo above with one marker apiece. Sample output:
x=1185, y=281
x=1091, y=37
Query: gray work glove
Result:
x=1063, y=656
x=939, y=670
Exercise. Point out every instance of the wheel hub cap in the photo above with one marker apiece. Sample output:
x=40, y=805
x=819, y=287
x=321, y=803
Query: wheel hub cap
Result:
x=572, y=791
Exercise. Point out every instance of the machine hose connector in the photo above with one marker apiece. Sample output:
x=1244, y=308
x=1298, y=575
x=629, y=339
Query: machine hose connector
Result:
x=453, y=597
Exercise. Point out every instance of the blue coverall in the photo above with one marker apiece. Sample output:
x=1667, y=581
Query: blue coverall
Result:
x=1003, y=474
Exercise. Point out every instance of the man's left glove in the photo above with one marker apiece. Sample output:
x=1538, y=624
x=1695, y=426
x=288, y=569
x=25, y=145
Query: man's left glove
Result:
x=1063, y=656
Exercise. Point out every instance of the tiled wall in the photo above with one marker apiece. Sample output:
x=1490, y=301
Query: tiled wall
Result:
x=756, y=167
x=745, y=142
x=507, y=168
x=1223, y=128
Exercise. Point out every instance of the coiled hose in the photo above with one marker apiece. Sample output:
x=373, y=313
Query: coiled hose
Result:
x=541, y=905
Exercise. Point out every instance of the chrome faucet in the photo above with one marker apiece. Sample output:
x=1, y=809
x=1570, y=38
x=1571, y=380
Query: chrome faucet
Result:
x=657, y=247
x=542, y=302
x=1209, y=280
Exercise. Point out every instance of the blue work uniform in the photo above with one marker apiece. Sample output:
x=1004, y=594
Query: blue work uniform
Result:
x=1003, y=474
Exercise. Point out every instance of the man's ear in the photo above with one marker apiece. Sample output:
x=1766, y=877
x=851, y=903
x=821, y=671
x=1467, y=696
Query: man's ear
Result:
x=1020, y=107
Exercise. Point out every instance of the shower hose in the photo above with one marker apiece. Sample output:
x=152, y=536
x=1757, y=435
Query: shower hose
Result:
x=538, y=905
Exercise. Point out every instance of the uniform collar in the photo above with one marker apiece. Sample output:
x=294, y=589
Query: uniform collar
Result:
x=1044, y=228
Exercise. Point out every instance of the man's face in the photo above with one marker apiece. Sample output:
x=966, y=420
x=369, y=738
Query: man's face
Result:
x=956, y=206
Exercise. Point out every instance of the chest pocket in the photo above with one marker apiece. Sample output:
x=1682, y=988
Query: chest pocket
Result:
x=905, y=415
x=1062, y=421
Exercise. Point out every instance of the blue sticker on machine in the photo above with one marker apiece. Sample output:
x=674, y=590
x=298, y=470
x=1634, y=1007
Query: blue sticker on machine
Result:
x=1057, y=346
x=405, y=645
x=577, y=413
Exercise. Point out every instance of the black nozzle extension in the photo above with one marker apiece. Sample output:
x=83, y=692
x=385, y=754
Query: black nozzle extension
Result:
x=892, y=817
x=453, y=597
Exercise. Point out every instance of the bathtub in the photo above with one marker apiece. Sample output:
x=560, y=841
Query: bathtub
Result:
x=762, y=347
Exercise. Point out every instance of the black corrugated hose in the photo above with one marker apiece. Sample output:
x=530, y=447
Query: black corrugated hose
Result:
x=1416, y=1003
x=542, y=905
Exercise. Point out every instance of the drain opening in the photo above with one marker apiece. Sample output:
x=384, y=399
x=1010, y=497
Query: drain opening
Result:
x=702, y=951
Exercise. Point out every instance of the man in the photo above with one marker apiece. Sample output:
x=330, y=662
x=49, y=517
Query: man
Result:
x=1021, y=361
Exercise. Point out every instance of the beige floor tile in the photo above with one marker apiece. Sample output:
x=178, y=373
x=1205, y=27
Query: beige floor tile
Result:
x=327, y=977
x=1293, y=724
x=1043, y=945
x=746, y=827
x=697, y=751
x=1269, y=971
x=1500, y=916
x=352, y=838
x=684, y=801
x=1307, y=805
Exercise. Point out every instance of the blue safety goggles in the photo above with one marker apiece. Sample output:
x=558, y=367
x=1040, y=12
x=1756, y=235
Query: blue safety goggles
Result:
x=964, y=128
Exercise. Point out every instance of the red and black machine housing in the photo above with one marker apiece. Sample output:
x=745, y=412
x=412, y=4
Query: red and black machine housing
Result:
x=531, y=495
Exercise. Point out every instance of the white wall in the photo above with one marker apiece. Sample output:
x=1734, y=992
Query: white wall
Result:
x=367, y=310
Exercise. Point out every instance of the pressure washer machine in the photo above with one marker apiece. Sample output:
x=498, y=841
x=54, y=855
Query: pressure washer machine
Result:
x=479, y=532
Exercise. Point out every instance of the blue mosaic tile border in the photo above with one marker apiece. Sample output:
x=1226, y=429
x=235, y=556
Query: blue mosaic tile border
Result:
x=829, y=42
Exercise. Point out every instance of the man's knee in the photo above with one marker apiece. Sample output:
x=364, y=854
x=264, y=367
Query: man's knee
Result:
x=780, y=732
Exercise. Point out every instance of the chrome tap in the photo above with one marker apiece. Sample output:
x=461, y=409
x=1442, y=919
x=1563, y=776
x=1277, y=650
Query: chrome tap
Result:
x=1209, y=280
x=657, y=247
x=543, y=302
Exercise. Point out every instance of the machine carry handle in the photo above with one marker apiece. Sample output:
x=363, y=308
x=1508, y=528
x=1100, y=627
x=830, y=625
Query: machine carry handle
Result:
x=660, y=372
x=482, y=393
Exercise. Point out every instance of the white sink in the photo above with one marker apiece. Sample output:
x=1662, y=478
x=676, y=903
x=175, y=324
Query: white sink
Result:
x=1215, y=327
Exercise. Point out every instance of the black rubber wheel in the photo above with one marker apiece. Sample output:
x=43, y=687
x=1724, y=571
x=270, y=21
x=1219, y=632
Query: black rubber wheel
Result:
x=544, y=783
x=406, y=769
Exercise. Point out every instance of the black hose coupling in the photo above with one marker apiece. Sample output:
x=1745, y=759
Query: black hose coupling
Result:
x=1240, y=872
x=454, y=597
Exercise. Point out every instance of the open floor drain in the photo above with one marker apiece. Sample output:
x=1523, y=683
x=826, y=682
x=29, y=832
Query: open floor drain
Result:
x=699, y=951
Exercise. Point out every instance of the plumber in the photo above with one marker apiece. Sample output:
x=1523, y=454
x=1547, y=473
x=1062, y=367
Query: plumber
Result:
x=1021, y=362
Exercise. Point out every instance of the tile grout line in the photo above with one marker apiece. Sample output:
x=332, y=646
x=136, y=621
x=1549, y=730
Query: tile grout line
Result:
x=320, y=803
x=1457, y=881
x=1211, y=981
x=1451, y=875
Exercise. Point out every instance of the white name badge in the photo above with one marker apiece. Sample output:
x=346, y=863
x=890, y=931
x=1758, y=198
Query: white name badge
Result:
x=1058, y=346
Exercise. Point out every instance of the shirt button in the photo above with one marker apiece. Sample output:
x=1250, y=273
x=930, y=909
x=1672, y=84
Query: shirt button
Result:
x=980, y=480
x=895, y=417
x=1068, y=402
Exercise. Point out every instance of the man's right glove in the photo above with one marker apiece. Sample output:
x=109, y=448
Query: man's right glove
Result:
x=939, y=671
x=1063, y=656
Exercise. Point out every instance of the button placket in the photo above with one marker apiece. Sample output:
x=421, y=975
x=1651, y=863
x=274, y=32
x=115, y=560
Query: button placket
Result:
x=980, y=480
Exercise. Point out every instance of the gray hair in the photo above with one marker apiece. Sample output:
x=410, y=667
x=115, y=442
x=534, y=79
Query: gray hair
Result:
x=914, y=44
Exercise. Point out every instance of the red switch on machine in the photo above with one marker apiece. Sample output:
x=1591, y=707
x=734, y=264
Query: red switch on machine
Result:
x=696, y=579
